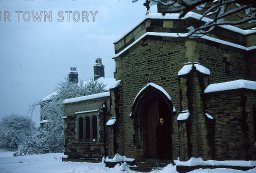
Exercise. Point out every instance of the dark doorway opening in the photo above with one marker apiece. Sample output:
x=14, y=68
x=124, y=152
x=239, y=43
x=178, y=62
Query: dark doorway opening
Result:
x=149, y=107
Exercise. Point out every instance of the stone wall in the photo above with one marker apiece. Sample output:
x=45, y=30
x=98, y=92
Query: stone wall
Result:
x=158, y=60
x=193, y=131
x=225, y=63
x=112, y=130
x=234, y=129
x=75, y=148
x=153, y=60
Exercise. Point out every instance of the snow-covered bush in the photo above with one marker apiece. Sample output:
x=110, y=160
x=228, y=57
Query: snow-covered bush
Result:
x=49, y=137
x=15, y=130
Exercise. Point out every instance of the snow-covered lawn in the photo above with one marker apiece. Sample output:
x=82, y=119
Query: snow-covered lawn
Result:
x=51, y=163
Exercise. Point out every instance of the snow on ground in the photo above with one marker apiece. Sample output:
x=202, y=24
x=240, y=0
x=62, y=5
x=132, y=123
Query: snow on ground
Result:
x=199, y=161
x=52, y=163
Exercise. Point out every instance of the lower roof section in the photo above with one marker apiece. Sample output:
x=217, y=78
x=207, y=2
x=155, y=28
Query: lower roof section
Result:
x=231, y=85
x=84, y=98
x=184, y=35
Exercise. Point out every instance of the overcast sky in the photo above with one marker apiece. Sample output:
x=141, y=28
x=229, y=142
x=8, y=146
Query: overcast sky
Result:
x=36, y=56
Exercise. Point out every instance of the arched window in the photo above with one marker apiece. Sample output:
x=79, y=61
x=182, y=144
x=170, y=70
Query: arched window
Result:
x=87, y=128
x=81, y=128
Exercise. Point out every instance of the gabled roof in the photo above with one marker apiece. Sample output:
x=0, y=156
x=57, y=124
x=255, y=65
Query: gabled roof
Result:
x=84, y=98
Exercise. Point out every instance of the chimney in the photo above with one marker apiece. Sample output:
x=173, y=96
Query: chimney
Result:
x=98, y=69
x=73, y=75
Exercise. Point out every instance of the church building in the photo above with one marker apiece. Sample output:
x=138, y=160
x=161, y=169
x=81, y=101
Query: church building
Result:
x=204, y=88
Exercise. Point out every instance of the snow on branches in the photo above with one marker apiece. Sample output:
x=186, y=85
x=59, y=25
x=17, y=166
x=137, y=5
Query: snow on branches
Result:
x=15, y=130
x=49, y=137
x=221, y=12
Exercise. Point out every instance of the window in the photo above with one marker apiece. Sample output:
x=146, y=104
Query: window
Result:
x=81, y=128
x=94, y=127
x=88, y=128
x=228, y=66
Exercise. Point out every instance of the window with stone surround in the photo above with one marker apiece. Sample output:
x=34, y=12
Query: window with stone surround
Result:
x=227, y=64
x=81, y=128
x=87, y=128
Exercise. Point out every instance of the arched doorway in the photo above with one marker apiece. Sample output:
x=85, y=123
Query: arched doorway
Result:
x=151, y=103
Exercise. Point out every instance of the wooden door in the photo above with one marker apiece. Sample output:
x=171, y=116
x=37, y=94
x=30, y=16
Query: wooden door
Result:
x=152, y=116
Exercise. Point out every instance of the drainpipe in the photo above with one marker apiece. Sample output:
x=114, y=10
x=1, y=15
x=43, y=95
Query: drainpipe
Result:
x=104, y=110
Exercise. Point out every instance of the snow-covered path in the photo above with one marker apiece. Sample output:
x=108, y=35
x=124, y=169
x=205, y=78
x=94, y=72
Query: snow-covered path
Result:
x=52, y=163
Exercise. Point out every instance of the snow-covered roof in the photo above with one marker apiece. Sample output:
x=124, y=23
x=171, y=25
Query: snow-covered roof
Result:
x=199, y=161
x=119, y=158
x=49, y=96
x=89, y=97
x=183, y=115
x=87, y=111
x=231, y=85
x=111, y=121
x=187, y=68
x=155, y=86
x=175, y=16
x=109, y=82
x=180, y=35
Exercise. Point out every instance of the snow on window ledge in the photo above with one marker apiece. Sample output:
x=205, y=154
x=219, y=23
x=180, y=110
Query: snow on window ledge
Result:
x=184, y=115
x=231, y=85
x=87, y=111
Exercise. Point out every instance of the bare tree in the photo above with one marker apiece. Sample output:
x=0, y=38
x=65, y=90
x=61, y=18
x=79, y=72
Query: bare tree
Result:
x=240, y=13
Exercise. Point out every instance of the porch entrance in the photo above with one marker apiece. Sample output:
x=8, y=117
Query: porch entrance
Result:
x=148, y=108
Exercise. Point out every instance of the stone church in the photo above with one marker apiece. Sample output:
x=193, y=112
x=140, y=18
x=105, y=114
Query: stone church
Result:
x=204, y=88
